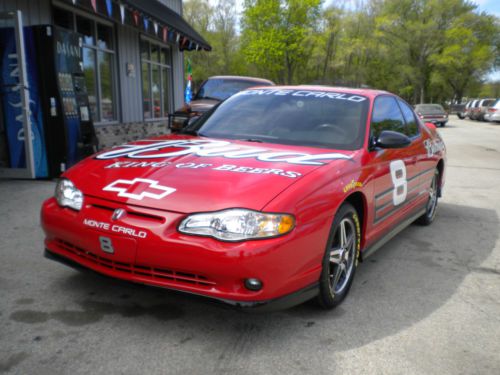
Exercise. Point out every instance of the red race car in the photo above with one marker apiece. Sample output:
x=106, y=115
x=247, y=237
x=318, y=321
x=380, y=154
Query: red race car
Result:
x=268, y=200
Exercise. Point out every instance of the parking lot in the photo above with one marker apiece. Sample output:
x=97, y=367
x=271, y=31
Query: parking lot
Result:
x=428, y=302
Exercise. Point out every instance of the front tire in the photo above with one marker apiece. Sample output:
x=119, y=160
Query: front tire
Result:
x=341, y=257
x=431, y=208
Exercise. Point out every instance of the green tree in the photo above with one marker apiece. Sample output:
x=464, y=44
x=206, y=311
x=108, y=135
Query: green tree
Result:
x=274, y=35
x=217, y=24
x=422, y=50
x=468, y=52
x=415, y=30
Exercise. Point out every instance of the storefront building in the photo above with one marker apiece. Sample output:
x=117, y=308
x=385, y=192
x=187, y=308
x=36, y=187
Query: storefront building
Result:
x=132, y=59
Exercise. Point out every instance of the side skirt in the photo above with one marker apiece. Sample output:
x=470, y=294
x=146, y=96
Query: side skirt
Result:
x=365, y=253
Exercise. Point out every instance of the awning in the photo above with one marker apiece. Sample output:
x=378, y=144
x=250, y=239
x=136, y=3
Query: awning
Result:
x=163, y=14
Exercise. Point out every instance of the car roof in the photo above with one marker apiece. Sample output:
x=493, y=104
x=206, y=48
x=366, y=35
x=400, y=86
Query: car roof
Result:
x=371, y=93
x=243, y=78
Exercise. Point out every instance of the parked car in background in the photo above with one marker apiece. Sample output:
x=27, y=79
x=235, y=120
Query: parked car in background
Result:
x=213, y=91
x=493, y=112
x=482, y=107
x=434, y=113
x=474, y=107
x=464, y=111
x=455, y=109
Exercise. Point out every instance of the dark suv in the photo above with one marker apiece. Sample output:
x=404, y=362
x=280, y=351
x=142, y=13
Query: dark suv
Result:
x=213, y=91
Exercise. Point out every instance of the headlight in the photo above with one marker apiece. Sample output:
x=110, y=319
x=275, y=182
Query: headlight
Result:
x=67, y=195
x=237, y=224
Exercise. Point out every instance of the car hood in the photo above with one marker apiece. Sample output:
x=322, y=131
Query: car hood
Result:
x=194, y=174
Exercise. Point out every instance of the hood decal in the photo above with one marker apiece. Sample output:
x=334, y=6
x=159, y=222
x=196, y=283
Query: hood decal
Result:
x=212, y=148
x=139, y=188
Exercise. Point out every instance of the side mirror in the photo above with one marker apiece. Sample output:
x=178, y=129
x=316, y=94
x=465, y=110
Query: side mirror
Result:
x=391, y=139
x=177, y=122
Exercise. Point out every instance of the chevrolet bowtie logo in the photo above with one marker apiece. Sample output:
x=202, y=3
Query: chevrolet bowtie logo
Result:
x=118, y=214
x=139, y=188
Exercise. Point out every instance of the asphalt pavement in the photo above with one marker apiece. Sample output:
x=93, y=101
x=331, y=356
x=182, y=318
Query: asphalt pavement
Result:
x=428, y=302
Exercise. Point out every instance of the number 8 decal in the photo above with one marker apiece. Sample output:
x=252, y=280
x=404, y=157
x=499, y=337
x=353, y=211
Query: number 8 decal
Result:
x=398, y=175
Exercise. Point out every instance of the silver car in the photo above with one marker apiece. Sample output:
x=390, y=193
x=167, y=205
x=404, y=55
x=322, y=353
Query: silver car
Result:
x=493, y=112
x=481, y=109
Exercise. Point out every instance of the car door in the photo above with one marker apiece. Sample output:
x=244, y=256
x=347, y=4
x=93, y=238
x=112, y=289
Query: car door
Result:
x=424, y=168
x=394, y=171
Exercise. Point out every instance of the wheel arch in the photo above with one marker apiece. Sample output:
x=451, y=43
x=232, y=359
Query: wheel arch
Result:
x=358, y=200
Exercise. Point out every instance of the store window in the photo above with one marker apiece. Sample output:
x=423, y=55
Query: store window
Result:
x=99, y=61
x=156, y=73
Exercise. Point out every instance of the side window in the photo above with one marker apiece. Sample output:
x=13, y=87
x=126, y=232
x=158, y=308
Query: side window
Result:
x=386, y=116
x=411, y=121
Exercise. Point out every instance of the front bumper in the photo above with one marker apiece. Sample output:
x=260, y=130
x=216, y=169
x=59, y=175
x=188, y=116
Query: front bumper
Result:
x=436, y=120
x=149, y=250
x=276, y=304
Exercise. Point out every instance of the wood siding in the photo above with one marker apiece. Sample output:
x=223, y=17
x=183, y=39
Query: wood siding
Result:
x=130, y=87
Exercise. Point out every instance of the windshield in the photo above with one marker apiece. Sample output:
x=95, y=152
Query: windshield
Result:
x=221, y=89
x=295, y=117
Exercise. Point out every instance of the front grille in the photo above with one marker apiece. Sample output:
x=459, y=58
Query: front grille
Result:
x=132, y=213
x=156, y=274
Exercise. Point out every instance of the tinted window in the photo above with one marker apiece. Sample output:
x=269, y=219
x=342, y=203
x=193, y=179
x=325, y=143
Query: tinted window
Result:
x=295, y=117
x=488, y=102
x=387, y=116
x=409, y=116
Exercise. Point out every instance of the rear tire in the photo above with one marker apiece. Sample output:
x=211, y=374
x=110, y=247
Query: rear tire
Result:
x=341, y=257
x=431, y=207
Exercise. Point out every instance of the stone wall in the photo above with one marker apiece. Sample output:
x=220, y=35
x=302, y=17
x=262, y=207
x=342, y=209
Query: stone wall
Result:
x=117, y=134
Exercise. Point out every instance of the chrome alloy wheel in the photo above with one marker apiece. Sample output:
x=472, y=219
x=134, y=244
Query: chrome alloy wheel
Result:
x=342, y=255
